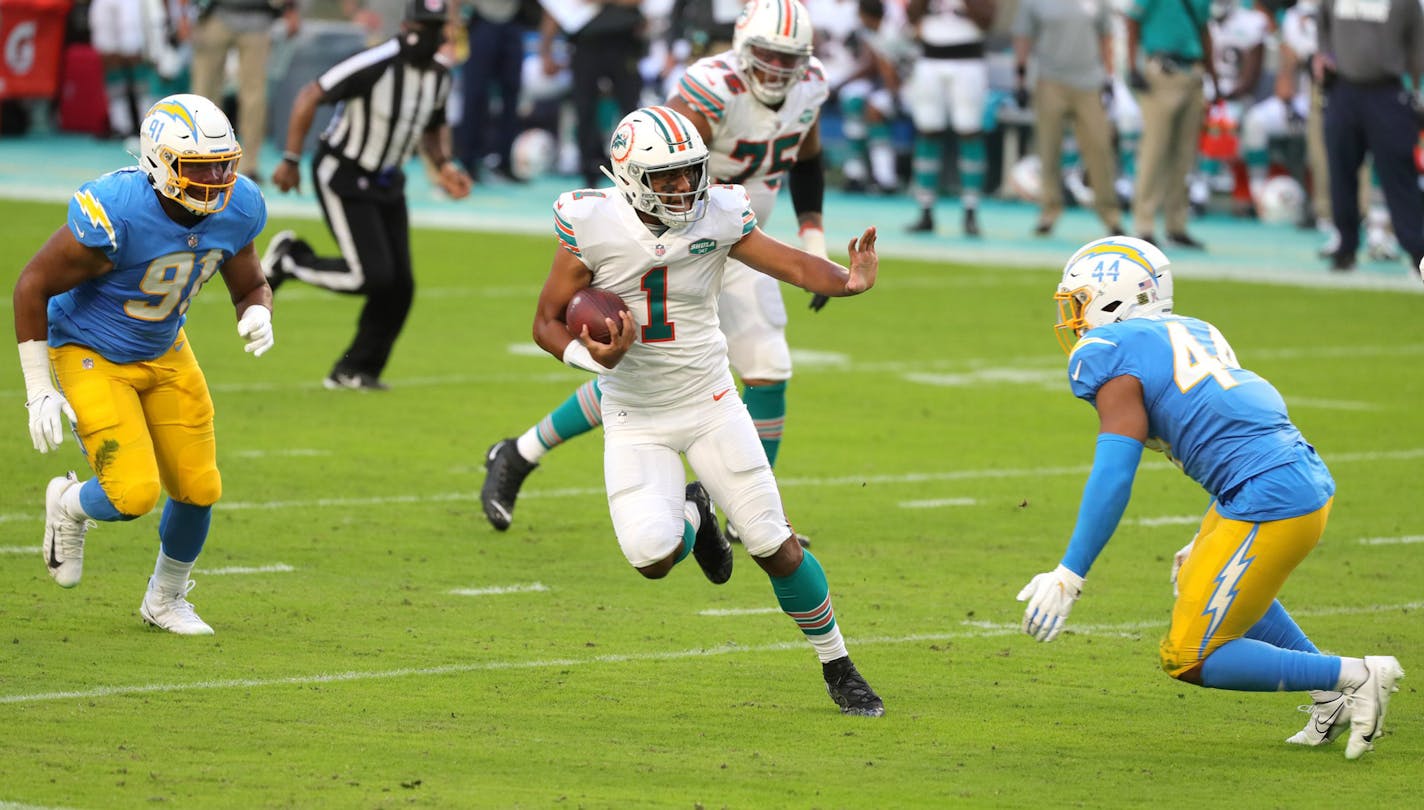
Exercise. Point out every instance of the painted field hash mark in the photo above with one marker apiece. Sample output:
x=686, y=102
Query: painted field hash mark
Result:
x=275, y=568
x=978, y=630
x=533, y=587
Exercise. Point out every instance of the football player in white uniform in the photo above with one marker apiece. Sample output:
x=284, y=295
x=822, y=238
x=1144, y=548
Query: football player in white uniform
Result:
x=661, y=240
x=949, y=88
x=757, y=107
x=1238, y=43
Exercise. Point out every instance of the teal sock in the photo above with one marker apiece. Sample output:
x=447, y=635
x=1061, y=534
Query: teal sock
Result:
x=1128, y=145
x=578, y=414
x=971, y=169
x=689, y=536
x=767, y=406
x=806, y=598
x=928, y=158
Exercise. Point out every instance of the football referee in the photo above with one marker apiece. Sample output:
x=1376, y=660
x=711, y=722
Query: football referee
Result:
x=391, y=99
x=1369, y=52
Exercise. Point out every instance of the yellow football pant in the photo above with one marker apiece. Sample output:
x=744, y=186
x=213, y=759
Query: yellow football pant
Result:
x=1234, y=572
x=143, y=424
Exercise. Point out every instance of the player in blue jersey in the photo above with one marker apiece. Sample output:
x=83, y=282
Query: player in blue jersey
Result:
x=1172, y=384
x=99, y=315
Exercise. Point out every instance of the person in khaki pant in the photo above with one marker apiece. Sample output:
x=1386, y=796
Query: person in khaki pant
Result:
x=1071, y=43
x=247, y=26
x=1174, y=35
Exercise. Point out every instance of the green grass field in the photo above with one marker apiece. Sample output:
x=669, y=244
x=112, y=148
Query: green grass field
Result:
x=933, y=453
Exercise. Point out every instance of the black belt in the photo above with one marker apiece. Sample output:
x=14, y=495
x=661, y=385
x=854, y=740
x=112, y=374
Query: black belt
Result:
x=1174, y=61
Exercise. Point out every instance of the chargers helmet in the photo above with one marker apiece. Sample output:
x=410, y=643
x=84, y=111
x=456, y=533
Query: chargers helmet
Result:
x=652, y=140
x=189, y=152
x=1111, y=280
x=772, y=40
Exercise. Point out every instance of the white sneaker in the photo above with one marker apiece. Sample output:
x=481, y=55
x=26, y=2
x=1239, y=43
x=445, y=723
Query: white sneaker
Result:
x=172, y=612
x=64, y=536
x=1329, y=718
x=1369, y=701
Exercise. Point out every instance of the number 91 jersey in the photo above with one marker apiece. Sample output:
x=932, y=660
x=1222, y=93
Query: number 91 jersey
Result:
x=134, y=311
x=1221, y=423
x=752, y=145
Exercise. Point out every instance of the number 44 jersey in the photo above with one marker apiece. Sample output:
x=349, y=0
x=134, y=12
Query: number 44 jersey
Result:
x=134, y=311
x=1222, y=424
x=752, y=145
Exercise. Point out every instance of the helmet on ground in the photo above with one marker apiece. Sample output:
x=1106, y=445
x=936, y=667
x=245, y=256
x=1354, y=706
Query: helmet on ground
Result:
x=772, y=41
x=532, y=153
x=189, y=152
x=1280, y=200
x=649, y=143
x=1111, y=280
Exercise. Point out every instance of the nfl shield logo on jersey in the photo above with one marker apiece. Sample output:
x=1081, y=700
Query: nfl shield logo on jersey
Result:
x=659, y=251
x=192, y=240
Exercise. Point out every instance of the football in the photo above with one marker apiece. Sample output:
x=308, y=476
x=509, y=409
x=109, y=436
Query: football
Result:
x=589, y=307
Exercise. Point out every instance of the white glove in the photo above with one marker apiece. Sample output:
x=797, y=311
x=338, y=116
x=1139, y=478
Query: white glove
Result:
x=45, y=403
x=813, y=241
x=256, y=328
x=1178, y=560
x=1050, y=597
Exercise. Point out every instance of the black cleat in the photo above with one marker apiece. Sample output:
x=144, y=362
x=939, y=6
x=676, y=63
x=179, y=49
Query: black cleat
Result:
x=353, y=381
x=1342, y=262
x=1184, y=240
x=273, y=258
x=850, y=691
x=925, y=224
x=971, y=222
x=711, y=548
x=505, y=471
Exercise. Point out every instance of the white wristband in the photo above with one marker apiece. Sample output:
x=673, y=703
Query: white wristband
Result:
x=576, y=355
x=34, y=364
x=813, y=241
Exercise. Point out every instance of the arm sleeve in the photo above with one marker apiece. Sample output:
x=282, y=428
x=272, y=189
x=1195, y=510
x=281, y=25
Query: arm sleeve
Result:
x=1104, y=499
x=808, y=185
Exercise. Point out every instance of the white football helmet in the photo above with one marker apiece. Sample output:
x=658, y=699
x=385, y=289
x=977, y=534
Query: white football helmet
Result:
x=1111, y=280
x=648, y=142
x=189, y=152
x=773, y=45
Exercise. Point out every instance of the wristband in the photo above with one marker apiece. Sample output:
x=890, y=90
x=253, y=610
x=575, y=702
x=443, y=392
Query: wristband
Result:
x=813, y=241
x=34, y=364
x=576, y=355
x=1105, y=498
x=292, y=157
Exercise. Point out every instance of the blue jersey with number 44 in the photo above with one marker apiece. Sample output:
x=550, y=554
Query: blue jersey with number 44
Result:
x=134, y=311
x=1226, y=427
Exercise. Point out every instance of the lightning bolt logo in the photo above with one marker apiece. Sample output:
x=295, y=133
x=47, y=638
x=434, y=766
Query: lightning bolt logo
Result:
x=1228, y=580
x=93, y=209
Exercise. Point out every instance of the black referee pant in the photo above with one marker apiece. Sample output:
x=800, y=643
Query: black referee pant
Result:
x=372, y=230
x=1379, y=119
x=613, y=57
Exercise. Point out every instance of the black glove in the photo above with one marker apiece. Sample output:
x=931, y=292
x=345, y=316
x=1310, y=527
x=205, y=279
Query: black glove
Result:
x=1107, y=94
x=1137, y=81
x=1021, y=96
x=818, y=301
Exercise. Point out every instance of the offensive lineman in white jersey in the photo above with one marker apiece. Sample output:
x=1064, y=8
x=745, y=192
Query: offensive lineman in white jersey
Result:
x=661, y=241
x=757, y=107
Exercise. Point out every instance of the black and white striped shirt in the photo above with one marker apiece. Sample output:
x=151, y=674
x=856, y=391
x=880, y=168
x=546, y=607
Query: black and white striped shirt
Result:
x=385, y=105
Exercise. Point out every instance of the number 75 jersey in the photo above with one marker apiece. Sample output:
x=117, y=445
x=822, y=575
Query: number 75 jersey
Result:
x=1221, y=423
x=752, y=145
x=133, y=312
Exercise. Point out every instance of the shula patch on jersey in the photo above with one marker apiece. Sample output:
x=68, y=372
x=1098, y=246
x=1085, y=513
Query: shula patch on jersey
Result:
x=702, y=246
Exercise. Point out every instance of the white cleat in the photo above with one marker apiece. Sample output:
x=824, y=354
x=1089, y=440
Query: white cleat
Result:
x=173, y=612
x=1369, y=701
x=1329, y=718
x=63, y=547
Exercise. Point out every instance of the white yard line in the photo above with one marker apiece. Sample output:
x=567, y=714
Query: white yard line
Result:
x=737, y=611
x=937, y=503
x=1408, y=539
x=495, y=590
x=275, y=568
x=977, y=630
